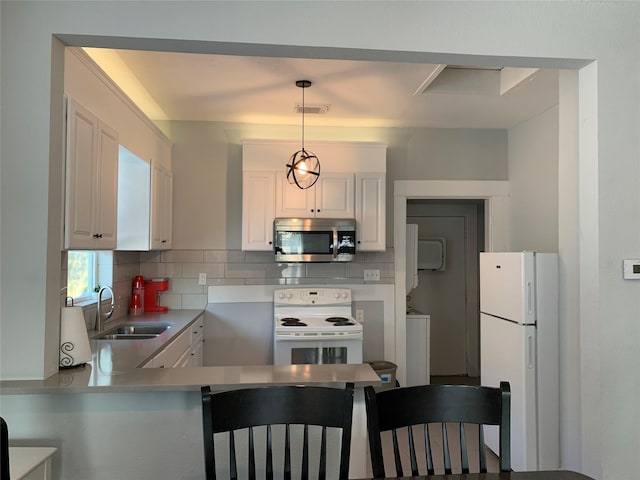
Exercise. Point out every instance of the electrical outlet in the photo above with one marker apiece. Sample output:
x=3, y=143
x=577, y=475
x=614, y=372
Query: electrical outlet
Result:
x=360, y=316
x=202, y=279
x=372, y=275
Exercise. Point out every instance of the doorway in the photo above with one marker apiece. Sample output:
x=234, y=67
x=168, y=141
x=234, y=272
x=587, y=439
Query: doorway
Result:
x=450, y=296
x=492, y=194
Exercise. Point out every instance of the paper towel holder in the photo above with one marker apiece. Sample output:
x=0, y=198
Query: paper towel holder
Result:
x=74, y=341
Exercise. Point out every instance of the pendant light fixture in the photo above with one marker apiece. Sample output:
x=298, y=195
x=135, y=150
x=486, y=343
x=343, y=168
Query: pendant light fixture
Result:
x=303, y=169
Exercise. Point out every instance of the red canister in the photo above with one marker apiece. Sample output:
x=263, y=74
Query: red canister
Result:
x=137, y=296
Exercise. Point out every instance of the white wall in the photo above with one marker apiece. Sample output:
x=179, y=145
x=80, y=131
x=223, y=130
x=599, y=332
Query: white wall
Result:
x=556, y=34
x=533, y=180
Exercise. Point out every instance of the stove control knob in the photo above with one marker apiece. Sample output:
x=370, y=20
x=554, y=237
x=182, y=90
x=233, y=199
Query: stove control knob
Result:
x=280, y=295
x=289, y=295
x=344, y=295
x=337, y=294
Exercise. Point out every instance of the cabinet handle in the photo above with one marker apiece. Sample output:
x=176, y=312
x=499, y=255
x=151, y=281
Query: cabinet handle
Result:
x=97, y=235
x=270, y=243
x=312, y=210
x=318, y=210
x=358, y=241
x=163, y=241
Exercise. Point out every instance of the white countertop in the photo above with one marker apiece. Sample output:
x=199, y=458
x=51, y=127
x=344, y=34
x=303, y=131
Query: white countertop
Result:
x=114, y=365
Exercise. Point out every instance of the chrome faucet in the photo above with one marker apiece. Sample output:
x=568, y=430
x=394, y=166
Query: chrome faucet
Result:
x=98, y=325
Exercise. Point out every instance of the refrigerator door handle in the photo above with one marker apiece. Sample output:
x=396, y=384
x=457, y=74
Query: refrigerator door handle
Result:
x=529, y=299
x=530, y=352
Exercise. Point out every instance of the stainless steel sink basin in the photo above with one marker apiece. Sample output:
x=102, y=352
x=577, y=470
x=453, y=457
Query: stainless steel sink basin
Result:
x=126, y=336
x=133, y=331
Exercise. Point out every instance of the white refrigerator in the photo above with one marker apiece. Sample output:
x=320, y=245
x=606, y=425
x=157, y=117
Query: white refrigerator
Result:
x=519, y=344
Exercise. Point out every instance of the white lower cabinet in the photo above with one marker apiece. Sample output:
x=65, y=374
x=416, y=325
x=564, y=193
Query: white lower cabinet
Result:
x=183, y=351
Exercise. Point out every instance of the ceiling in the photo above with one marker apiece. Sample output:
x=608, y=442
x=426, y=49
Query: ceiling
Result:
x=229, y=88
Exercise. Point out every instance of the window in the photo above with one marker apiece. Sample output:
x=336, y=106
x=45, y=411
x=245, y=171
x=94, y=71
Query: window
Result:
x=82, y=275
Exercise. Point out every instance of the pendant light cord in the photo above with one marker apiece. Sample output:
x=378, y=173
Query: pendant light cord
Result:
x=303, y=118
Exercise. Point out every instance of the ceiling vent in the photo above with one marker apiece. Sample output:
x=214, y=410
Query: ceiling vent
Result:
x=312, y=109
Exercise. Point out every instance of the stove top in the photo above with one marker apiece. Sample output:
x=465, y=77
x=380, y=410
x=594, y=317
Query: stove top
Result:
x=312, y=312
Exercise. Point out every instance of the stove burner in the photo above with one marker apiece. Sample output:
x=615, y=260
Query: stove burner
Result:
x=292, y=322
x=339, y=321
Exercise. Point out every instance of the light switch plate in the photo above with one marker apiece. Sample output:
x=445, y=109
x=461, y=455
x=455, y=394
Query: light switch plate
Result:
x=202, y=279
x=631, y=269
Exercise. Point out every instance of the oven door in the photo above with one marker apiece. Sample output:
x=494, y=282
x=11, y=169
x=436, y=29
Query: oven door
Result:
x=313, y=352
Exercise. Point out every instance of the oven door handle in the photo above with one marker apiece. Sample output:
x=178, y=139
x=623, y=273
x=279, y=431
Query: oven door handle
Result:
x=318, y=338
x=335, y=242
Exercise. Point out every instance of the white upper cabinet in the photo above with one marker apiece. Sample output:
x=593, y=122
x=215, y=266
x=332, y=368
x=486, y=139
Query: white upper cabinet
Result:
x=91, y=181
x=161, y=207
x=258, y=209
x=370, y=212
x=331, y=197
x=351, y=185
x=145, y=200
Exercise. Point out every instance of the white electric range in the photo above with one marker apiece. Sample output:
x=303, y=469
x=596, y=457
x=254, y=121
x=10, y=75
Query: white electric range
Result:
x=315, y=326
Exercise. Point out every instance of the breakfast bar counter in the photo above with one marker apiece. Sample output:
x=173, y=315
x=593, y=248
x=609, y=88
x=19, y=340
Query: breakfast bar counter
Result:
x=110, y=407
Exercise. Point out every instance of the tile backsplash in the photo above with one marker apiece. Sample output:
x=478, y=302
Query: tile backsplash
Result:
x=235, y=267
x=223, y=267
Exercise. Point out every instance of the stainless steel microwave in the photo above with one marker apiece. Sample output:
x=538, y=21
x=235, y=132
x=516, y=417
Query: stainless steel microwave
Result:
x=314, y=239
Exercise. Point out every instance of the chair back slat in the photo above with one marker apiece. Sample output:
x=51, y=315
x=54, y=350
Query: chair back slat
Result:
x=483, y=450
x=445, y=450
x=269, y=459
x=287, y=453
x=412, y=453
x=322, y=474
x=396, y=453
x=232, y=457
x=254, y=411
x=305, y=454
x=427, y=449
x=252, y=455
x=464, y=458
x=451, y=406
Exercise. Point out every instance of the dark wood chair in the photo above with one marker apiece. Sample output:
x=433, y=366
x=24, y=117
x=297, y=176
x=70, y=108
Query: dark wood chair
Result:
x=460, y=407
x=305, y=408
x=4, y=450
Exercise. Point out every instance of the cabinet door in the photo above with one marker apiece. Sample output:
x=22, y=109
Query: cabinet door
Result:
x=258, y=210
x=81, y=177
x=91, y=198
x=293, y=202
x=161, y=208
x=331, y=197
x=107, y=169
x=370, y=212
x=334, y=196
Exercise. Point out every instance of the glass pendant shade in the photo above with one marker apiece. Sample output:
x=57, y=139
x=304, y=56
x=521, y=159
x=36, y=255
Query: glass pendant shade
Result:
x=303, y=168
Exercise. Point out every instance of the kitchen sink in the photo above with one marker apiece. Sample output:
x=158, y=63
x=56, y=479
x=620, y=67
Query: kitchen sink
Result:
x=126, y=336
x=133, y=331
